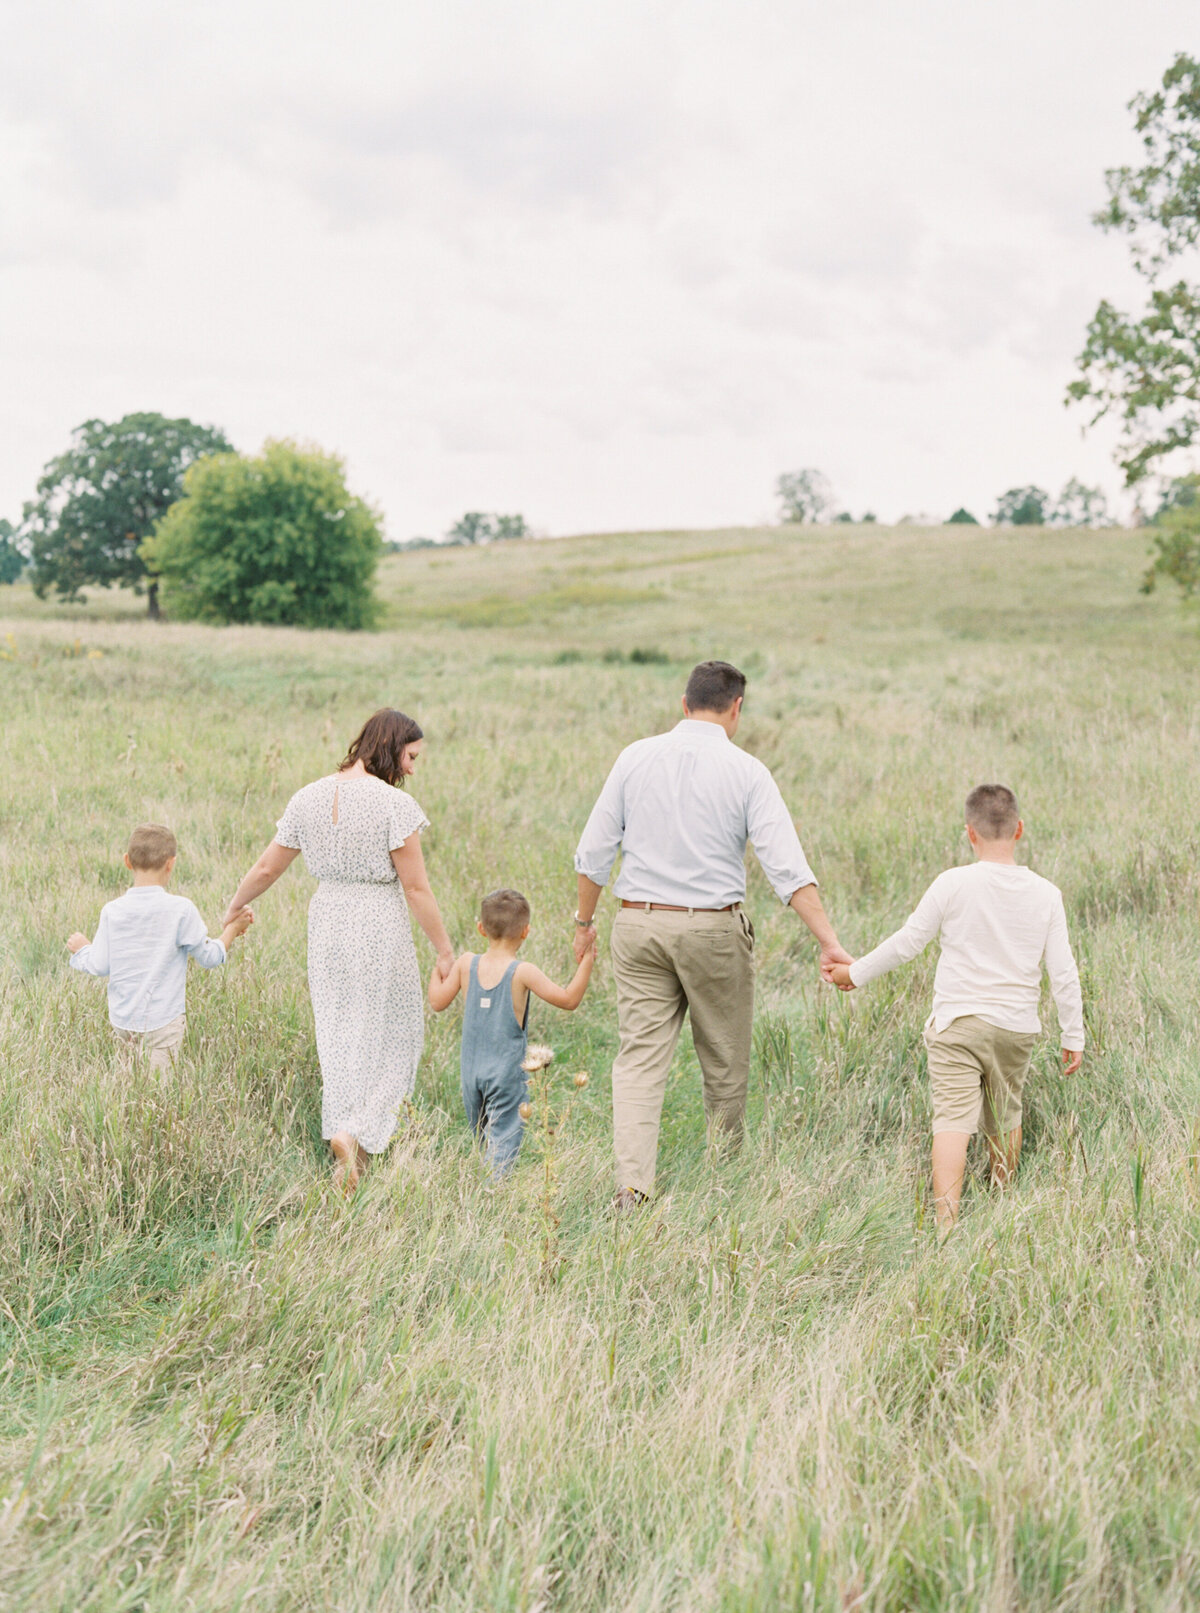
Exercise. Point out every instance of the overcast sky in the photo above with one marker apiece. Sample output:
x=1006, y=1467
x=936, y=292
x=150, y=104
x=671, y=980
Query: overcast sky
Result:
x=610, y=264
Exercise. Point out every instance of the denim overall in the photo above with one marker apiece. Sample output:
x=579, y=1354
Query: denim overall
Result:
x=493, y=1082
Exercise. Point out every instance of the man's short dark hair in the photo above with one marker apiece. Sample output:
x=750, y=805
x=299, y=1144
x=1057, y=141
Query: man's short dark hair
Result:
x=714, y=686
x=992, y=811
x=503, y=914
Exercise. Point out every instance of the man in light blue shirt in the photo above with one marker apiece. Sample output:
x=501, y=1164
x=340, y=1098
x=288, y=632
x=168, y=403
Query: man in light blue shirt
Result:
x=681, y=808
x=142, y=944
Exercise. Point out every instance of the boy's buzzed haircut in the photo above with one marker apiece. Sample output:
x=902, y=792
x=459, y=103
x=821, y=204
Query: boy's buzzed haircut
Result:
x=504, y=914
x=151, y=845
x=992, y=811
x=714, y=686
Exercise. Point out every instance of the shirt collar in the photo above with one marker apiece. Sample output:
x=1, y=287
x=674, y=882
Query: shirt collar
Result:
x=697, y=724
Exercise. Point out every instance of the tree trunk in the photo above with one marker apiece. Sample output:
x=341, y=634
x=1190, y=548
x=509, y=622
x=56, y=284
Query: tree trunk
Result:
x=152, y=610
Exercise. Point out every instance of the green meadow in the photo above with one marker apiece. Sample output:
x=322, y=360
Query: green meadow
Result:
x=224, y=1387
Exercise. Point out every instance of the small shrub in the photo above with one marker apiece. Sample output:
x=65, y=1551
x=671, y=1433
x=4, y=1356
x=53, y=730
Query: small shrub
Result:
x=641, y=657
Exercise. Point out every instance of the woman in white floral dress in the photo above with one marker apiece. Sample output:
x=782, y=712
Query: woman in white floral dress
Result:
x=360, y=836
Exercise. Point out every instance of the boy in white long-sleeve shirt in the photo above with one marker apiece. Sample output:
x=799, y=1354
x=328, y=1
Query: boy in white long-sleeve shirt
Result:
x=998, y=924
x=142, y=944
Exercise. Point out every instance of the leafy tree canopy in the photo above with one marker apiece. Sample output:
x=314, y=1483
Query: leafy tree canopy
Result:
x=12, y=561
x=804, y=496
x=510, y=526
x=473, y=527
x=962, y=517
x=1180, y=493
x=275, y=539
x=476, y=527
x=1081, y=506
x=1176, y=546
x=1022, y=506
x=100, y=500
x=1145, y=369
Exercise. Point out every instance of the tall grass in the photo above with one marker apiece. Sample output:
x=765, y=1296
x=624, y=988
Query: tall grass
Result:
x=221, y=1386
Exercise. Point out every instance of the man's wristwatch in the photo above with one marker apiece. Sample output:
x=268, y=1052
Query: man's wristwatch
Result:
x=583, y=924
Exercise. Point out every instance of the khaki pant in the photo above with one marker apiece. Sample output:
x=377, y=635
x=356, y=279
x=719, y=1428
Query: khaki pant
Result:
x=666, y=965
x=161, y=1045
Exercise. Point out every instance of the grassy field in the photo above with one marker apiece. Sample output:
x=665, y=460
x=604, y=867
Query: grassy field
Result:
x=221, y=1387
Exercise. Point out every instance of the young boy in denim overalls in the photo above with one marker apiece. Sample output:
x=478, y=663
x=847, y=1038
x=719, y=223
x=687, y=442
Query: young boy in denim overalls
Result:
x=497, y=988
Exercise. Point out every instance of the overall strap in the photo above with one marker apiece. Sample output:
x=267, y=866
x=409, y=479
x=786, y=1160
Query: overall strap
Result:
x=507, y=981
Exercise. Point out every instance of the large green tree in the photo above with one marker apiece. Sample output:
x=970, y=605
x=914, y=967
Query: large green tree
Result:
x=1144, y=368
x=276, y=538
x=98, y=502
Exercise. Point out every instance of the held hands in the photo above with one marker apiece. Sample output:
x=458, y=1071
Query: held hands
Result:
x=838, y=975
x=832, y=954
x=445, y=962
x=77, y=941
x=238, y=925
x=1071, y=1060
x=584, y=941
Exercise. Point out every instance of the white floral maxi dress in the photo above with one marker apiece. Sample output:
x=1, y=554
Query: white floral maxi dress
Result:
x=363, y=975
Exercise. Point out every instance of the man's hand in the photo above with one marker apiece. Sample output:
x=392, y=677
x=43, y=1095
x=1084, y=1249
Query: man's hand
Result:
x=839, y=976
x=1071, y=1060
x=584, y=941
x=832, y=953
x=77, y=941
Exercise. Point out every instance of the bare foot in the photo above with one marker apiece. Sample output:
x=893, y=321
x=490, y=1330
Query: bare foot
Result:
x=349, y=1158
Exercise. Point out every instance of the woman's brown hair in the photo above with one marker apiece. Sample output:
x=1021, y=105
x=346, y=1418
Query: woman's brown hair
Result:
x=381, y=744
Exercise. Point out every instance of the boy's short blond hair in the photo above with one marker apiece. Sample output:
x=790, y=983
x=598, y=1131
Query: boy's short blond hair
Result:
x=504, y=914
x=151, y=846
x=992, y=812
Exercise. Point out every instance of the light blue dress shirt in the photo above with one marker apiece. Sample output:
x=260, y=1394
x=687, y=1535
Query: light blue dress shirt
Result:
x=681, y=807
x=142, y=943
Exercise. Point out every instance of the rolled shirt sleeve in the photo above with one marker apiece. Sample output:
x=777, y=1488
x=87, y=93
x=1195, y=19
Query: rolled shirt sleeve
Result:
x=1064, y=980
x=604, y=830
x=772, y=833
x=93, y=958
x=196, y=942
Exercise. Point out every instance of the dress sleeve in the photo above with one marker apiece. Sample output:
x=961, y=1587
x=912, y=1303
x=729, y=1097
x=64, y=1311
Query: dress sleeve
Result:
x=287, y=830
x=406, y=819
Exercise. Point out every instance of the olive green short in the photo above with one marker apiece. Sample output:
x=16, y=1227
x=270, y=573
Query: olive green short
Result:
x=976, y=1075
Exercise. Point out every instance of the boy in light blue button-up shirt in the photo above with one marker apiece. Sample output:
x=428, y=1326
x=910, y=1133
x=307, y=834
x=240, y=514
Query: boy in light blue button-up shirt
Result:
x=142, y=945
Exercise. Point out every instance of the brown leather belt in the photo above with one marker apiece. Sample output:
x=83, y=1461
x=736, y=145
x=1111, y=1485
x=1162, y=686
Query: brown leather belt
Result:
x=666, y=907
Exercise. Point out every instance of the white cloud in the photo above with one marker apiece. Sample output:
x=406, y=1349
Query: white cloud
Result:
x=610, y=265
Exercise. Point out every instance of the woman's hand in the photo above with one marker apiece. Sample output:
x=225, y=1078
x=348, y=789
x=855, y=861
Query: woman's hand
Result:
x=445, y=962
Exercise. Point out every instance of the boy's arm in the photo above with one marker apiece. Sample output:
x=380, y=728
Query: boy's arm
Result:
x=909, y=940
x=236, y=927
x=568, y=997
x=194, y=938
x=91, y=957
x=443, y=992
x=1064, y=983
